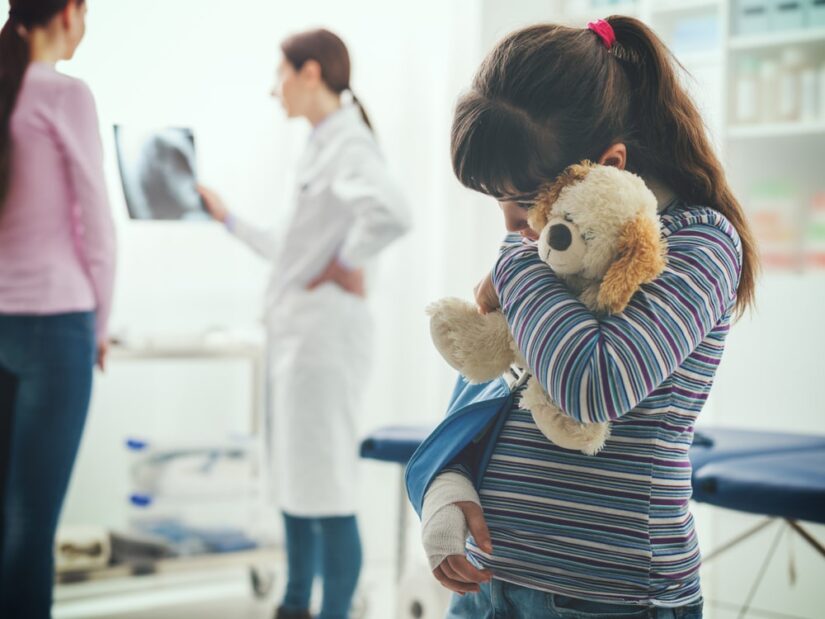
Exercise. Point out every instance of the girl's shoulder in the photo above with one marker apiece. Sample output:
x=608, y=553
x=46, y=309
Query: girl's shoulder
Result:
x=679, y=216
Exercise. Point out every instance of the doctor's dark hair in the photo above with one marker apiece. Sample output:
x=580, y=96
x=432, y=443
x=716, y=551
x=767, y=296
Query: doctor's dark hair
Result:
x=14, y=59
x=329, y=51
x=548, y=96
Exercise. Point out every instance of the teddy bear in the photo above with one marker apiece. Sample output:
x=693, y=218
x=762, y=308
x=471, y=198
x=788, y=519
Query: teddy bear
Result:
x=601, y=235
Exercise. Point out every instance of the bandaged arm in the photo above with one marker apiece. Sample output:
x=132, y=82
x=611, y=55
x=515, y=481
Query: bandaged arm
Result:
x=443, y=525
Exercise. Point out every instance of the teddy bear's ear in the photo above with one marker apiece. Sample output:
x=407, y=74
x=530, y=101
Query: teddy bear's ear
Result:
x=540, y=213
x=641, y=258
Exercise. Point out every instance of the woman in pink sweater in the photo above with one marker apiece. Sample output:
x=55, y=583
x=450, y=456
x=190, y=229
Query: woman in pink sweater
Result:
x=56, y=275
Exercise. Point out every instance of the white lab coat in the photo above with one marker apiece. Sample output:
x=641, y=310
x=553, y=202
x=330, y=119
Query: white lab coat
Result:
x=320, y=341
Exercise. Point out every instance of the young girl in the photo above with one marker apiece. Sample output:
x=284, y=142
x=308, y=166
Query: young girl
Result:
x=346, y=210
x=57, y=266
x=557, y=533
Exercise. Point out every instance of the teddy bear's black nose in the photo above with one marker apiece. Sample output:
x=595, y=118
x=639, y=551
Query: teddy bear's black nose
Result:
x=559, y=238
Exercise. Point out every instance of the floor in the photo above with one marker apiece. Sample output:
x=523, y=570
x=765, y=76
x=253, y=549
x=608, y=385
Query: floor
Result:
x=227, y=595
x=219, y=594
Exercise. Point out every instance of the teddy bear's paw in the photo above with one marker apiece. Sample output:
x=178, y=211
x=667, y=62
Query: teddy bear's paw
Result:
x=589, y=438
x=534, y=397
x=477, y=345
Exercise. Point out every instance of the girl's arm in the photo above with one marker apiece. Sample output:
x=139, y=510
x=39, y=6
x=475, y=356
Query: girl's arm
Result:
x=379, y=211
x=450, y=511
x=77, y=129
x=443, y=527
x=599, y=368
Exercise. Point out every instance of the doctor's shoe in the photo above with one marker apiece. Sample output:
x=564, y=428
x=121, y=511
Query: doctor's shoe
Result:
x=283, y=613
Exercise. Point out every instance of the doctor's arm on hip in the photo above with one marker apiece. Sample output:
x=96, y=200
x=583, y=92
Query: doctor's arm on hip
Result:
x=260, y=240
x=380, y=215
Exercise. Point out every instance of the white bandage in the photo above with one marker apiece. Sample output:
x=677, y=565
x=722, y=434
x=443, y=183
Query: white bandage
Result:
x=443, y=525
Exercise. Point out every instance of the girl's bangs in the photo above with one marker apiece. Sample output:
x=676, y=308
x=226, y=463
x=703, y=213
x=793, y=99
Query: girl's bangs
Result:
x=496, y=150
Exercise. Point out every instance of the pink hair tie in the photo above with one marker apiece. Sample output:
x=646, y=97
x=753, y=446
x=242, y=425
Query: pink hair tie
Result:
x=604, y=30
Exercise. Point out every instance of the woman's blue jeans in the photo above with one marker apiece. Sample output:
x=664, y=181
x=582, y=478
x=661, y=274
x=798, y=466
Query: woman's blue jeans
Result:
x=329, y=548
x=502, y=600
x=46, y=365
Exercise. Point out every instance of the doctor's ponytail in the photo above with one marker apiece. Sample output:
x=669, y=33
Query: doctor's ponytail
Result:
x=364, y=116
x=330, y=52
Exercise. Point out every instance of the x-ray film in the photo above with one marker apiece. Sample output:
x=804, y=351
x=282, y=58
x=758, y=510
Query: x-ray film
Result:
x=157, y=169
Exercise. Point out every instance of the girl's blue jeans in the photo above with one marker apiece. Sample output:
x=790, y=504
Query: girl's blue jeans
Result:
x=329, y=548
x=502, y=600
x=46, y=365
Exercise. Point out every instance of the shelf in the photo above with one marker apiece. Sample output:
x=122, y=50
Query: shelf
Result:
x=777, y=39
x=209, y=561
x=777, y=130
x=683, y=6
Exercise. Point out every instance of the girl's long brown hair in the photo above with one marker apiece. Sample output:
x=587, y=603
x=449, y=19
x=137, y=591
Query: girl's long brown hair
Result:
x=14, y=59
x=548, y=96
x=329, y=51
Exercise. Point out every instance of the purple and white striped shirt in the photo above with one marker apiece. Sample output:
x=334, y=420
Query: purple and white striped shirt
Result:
x=613, y=527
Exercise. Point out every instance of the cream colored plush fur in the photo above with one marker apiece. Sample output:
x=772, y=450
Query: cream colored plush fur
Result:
x=615, y=246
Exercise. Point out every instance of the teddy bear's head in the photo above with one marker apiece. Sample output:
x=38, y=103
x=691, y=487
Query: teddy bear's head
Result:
x=600, y=224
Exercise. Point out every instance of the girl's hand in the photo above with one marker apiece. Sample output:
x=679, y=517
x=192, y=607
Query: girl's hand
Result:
x=102, y=353
x=213, y=204
x=351, y=280
x=455, y=572
x=486, y=296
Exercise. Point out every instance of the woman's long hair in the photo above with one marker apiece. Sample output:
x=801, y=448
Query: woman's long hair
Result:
x=548, y=96
x=14, y=59
x=329, y=51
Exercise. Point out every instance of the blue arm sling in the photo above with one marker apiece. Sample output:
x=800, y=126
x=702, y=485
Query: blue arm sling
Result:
x=475, y=416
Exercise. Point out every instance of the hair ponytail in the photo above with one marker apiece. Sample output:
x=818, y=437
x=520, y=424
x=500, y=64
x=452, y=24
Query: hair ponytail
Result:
x=549, y=95
x=671, y=139
x=330, y=52
x=14, y=58
x=360, y=105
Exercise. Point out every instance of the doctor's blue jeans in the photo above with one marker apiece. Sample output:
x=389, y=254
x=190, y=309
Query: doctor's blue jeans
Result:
x=46, y=365
x=329, y=548
x=503, y=600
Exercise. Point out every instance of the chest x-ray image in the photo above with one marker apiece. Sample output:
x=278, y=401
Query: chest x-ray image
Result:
x=157, y=169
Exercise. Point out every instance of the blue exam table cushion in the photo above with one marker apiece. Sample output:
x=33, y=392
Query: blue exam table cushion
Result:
x=788, y=484
x=715, y=444
x=771, y=473
x=395, y=443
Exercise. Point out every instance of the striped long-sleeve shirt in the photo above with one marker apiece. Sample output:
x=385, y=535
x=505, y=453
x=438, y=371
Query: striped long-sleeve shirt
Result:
x=616, y=526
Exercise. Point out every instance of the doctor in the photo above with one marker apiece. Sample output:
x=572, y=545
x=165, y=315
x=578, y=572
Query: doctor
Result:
x=346, y=210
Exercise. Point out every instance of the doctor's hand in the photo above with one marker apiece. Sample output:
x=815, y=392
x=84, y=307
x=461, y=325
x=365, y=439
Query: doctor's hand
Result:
x=486, y=296
x=213, y=204
x=351, y=280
